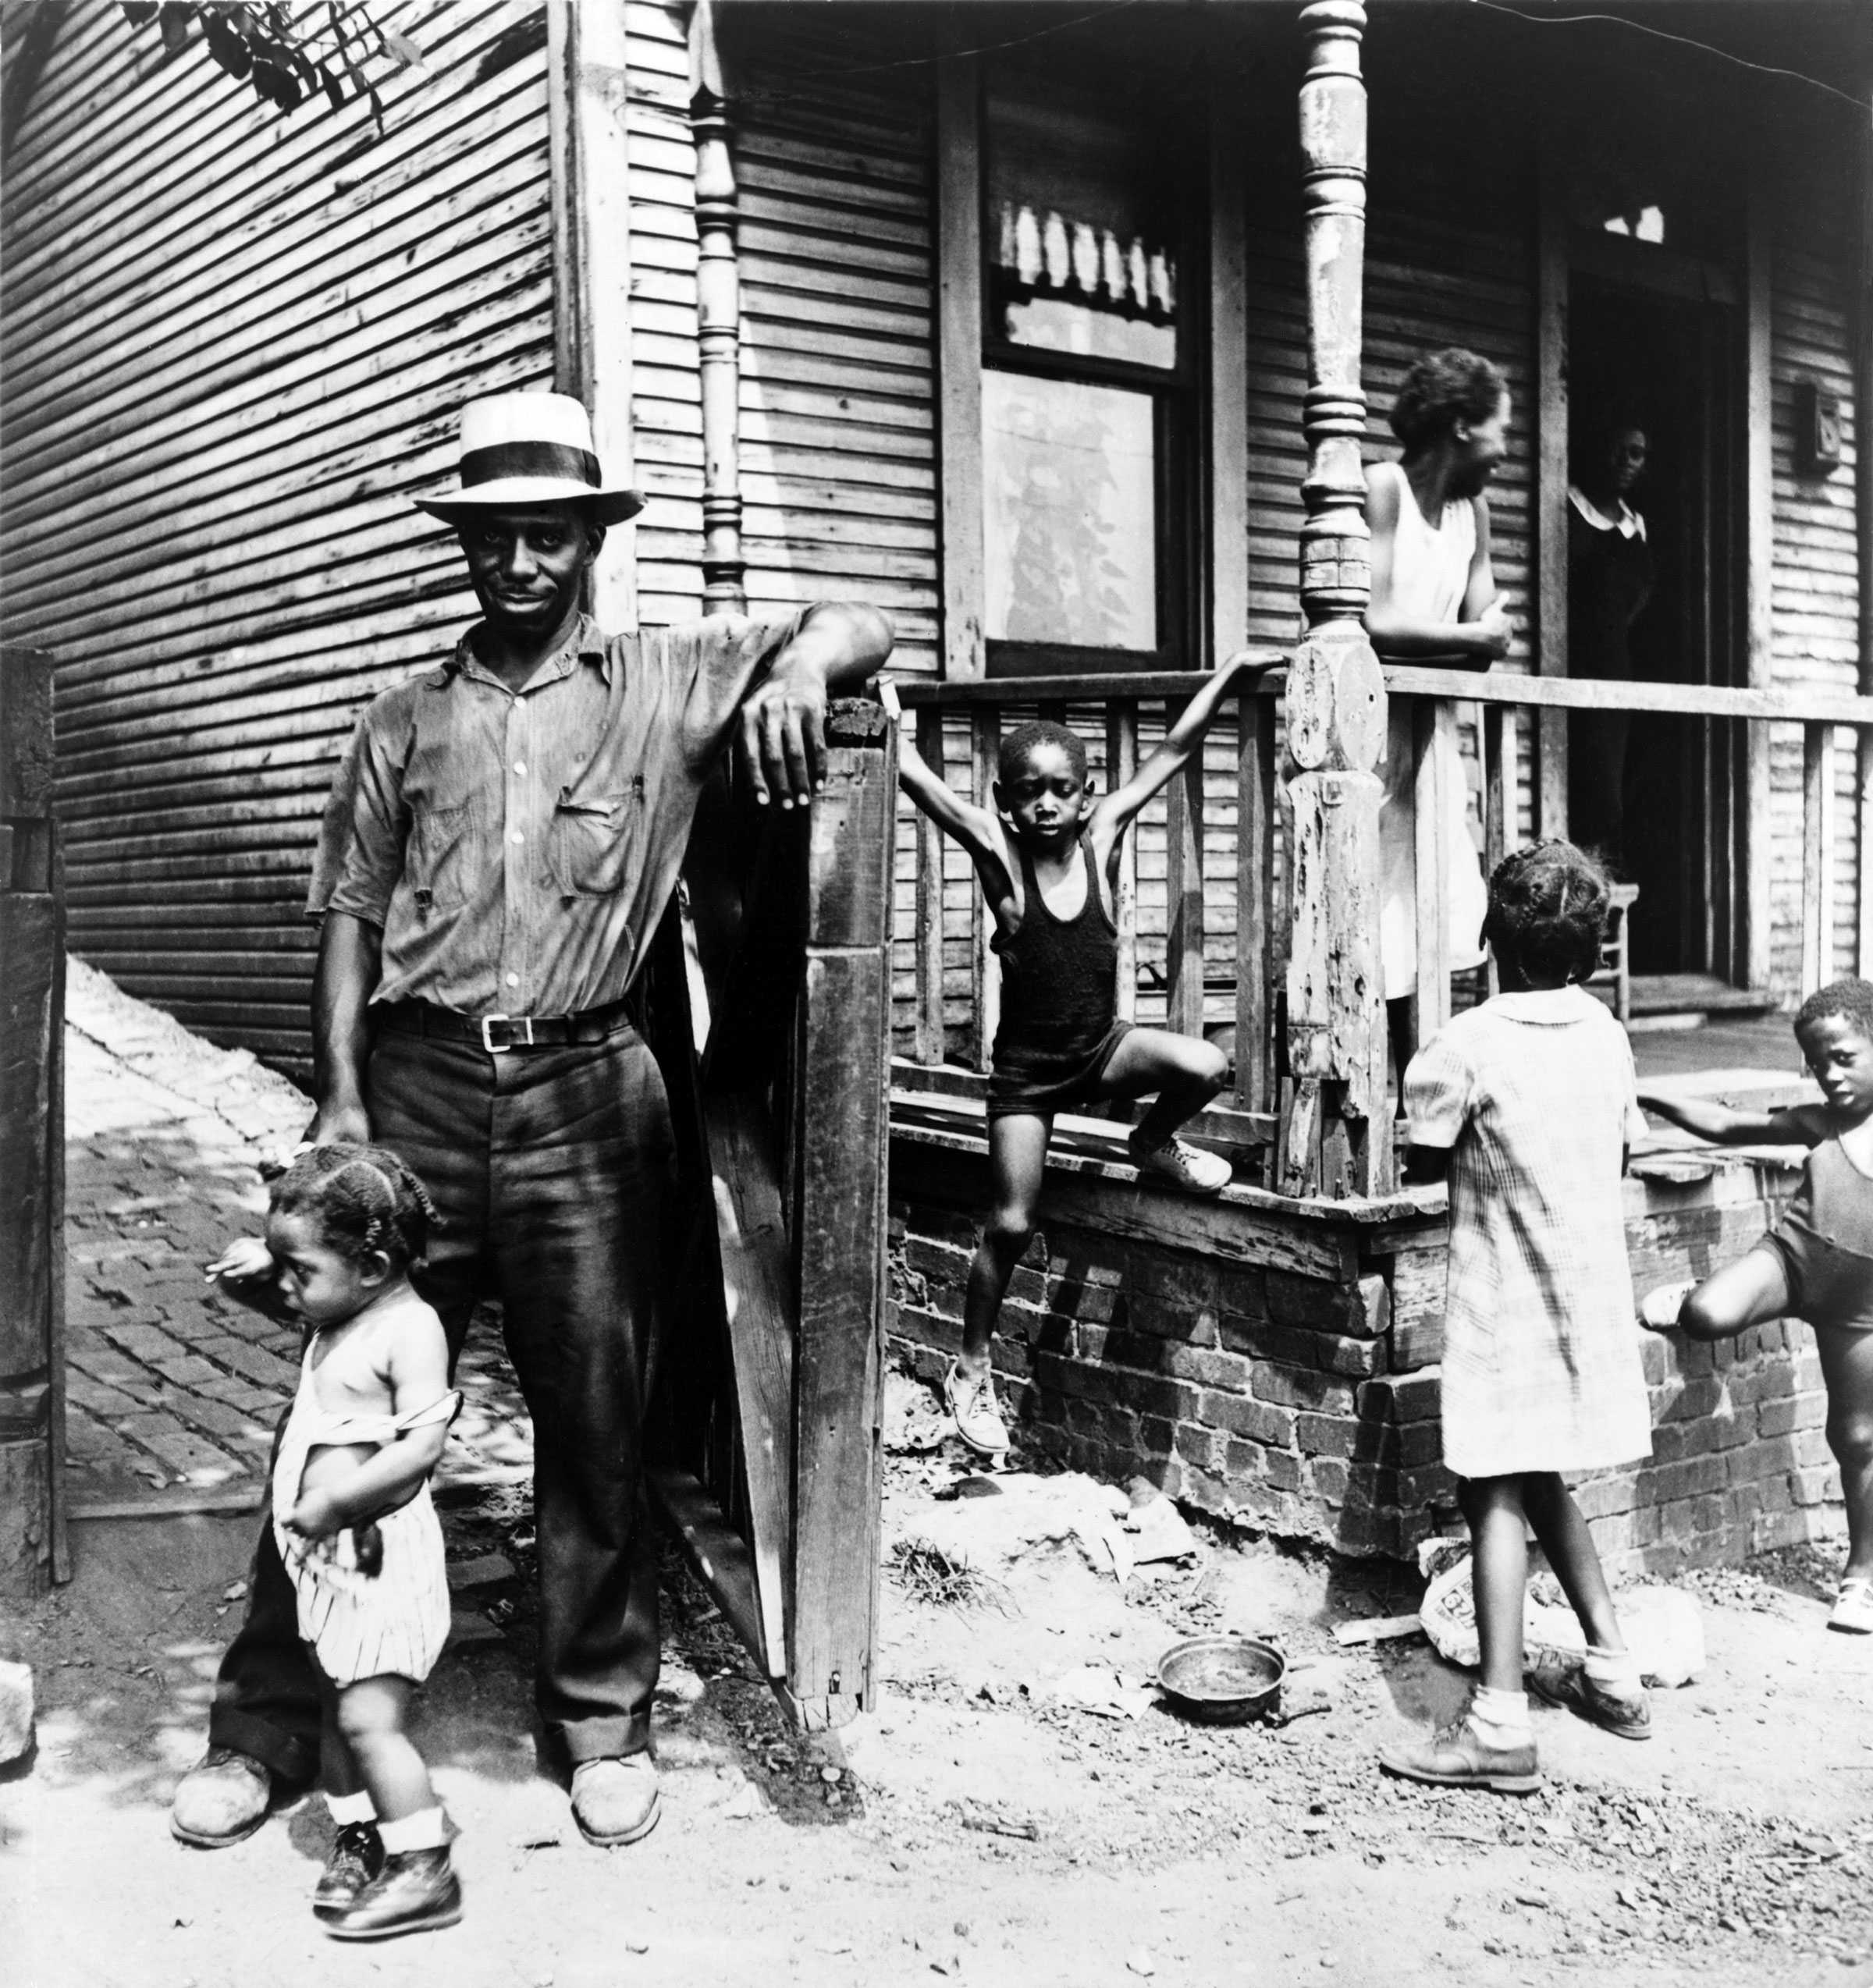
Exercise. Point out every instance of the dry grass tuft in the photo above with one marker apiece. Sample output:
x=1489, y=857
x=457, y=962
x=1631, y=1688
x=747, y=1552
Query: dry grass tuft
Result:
x=927, y=1574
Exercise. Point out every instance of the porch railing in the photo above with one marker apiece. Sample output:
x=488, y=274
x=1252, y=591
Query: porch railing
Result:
x=1195, y=846
x=1435, y=694
x=1189, y=852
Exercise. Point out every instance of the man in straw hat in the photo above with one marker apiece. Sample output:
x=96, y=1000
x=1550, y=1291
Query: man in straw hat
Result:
x=503, y=838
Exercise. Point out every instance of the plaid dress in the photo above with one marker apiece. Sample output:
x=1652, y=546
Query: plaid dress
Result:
x=1533, y=1095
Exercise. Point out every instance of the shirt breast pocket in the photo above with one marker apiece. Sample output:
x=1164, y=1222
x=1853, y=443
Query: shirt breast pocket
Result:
x=595, y=841
x=444, y=857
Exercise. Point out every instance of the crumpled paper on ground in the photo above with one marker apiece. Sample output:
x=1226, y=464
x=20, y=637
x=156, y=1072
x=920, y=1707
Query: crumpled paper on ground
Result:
x=1664, y=1626
x=1096, y=1688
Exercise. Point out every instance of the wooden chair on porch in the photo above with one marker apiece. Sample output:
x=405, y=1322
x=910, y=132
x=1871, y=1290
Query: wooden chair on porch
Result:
x=1616, y=954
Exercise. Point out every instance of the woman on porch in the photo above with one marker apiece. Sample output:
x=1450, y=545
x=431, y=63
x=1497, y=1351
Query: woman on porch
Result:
x=1433, y=594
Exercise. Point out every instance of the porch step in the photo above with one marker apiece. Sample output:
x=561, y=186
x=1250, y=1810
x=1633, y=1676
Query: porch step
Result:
x=1690, y=994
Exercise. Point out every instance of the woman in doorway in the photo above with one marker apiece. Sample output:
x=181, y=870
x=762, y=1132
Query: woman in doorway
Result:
x=1609, y=581
x=1434, y=596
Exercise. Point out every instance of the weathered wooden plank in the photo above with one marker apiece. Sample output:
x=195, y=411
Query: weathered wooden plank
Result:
x=1122, y=763
x=1758, y=526
x=719, y=1554
x=1783, y=702
x=959, y=365
x=1254, y=902
x=1552, y=280
x=751, y=1228
x=929, y=1026
x=26, y=735
x=839, y=1370
x=1184, y=893
x=1818, y=844
x=29, y=932
x=985, y=739
x=1434, y=725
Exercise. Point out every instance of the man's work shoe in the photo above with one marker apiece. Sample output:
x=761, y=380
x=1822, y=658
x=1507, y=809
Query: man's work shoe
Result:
x=357, y=1858
x=222, y=1799
x=1196, y=1171
x=1458, y=1756
x=416, y=1891
x=970, y=1399
x=616, y=1800
x=1569, y=1686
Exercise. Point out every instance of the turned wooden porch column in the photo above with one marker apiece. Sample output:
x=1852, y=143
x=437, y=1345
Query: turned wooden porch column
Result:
x=718, y=322
x=1336, y=1136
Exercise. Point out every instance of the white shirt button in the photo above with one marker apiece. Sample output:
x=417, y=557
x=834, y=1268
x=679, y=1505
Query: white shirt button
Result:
x=516, y=836
x=520, y=766
x=513, y=980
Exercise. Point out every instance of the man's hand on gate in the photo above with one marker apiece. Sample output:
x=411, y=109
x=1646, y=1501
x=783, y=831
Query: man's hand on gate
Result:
x=784, y=736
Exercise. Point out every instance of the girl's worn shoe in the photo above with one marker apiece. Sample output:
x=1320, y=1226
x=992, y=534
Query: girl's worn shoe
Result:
x=416, y=1891
x=1183, y=1165
x=1853, y=1615
x=1458, y=1756
x=973, y=1408
x=1570, y=1687
x=356, y=1857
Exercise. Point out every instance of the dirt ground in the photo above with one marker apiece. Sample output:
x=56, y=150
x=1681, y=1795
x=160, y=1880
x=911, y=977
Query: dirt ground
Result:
x=975, y=1826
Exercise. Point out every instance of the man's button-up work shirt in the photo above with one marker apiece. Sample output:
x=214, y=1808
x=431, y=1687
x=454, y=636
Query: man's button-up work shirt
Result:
x=517, y=849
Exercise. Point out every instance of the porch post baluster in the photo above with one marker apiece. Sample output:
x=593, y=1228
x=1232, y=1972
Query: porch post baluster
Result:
x=718, y=323
x=1335, y=1131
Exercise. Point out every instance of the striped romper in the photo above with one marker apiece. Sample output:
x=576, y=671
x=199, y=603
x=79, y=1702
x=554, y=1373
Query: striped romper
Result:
x=390, y=1623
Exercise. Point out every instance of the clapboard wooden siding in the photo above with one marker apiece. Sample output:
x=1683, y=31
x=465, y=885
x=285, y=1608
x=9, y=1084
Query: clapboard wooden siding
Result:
x=234, y=342
x=1815, y=600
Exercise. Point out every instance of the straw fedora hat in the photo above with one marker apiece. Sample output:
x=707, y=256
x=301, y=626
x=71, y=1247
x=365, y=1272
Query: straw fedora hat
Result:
x=529, y=449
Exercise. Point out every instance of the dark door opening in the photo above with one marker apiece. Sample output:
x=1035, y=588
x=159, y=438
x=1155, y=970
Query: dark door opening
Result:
x=1663, y=365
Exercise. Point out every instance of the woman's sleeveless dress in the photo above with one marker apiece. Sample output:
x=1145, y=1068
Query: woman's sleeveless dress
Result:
x=1429, y=571
x=390, y=1623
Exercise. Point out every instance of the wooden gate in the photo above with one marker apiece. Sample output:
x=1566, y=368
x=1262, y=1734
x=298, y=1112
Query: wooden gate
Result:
x=769, y=1010
x=32, y=1139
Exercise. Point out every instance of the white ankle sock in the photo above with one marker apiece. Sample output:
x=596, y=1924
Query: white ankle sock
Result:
x=1501, y=1716
x=346, y=1808
x=1615, y=1670
x=424, y=1831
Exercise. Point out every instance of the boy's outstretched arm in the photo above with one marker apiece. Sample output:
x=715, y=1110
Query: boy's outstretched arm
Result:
x=1114, y=812
x=1724, y=1125
x=978, y=830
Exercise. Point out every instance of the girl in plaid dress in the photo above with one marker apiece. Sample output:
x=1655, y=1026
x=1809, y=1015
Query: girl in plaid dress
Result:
x=352, y=1514
x=1526, y=1105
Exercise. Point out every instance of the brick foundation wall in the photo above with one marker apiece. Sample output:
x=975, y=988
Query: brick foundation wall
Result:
x=1281, y=1373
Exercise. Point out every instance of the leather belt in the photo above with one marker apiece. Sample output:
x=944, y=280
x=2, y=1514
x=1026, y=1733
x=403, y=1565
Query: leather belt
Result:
x=498, y=1034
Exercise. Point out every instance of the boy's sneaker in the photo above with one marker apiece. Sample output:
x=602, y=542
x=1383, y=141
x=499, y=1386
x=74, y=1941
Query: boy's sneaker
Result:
x=1853, y=1615
x=977, y=1414
x=1184, y=1166
x=1658, y=1309
x=1458, y=1756
x=356, y=1857
x=415, y=1892
x=1557, y=1682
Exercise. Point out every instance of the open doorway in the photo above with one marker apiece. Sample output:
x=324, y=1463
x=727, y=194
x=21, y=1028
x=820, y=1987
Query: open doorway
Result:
x=1645, y=365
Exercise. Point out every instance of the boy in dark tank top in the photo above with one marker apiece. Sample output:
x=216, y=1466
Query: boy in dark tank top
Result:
x=1048, y=857
x=1817, y=1262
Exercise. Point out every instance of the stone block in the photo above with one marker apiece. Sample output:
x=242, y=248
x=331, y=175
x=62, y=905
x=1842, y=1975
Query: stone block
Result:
x=1195, y=1324
x=1326, y=1436
x=1402, y=1398
x=16, y=1711
x=1208, y=1368
x=1185, y=1281
x=1294, y=1299
x=1289, y=1387
x=1261, y=1421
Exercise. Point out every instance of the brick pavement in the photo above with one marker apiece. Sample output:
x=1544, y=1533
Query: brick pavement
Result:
x=172, y=1390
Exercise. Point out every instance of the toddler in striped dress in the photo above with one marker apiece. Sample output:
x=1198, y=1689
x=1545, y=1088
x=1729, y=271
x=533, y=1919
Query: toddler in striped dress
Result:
x=1527, y=1105
x=352, y=1513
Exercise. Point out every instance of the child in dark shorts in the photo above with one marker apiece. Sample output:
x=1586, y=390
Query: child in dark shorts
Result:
x=1817, y=1262
x=1047, y=860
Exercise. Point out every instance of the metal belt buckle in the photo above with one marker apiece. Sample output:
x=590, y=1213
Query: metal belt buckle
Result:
x=495, y=1049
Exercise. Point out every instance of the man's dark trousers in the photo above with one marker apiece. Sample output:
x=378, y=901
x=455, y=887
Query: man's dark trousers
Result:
x=551, y=1169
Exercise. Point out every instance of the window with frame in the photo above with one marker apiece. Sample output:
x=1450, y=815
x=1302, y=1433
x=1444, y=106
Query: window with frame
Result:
x=1089, y=362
